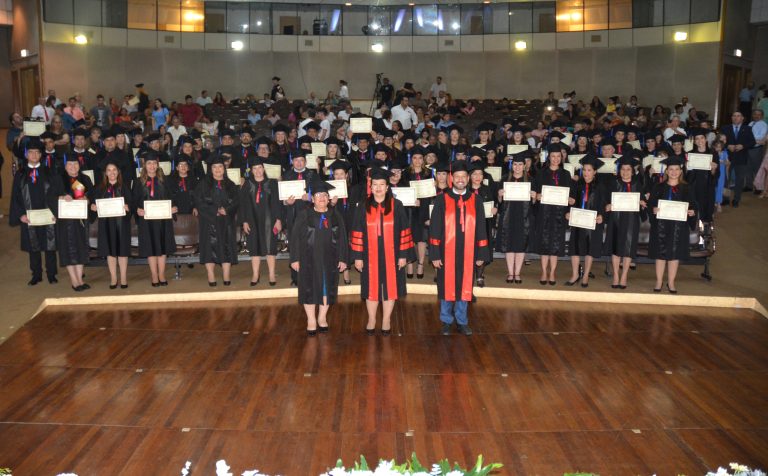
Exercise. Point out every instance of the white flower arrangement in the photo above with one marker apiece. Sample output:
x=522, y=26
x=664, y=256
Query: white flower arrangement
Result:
x=738, y=470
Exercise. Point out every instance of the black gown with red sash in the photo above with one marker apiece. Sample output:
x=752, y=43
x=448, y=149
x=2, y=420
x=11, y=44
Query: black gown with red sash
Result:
x=457, y=236
x=380, y=239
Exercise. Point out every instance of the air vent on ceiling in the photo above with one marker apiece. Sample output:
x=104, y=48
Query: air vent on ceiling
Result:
x=309, y=42
x=169, y=39
x=596, y=38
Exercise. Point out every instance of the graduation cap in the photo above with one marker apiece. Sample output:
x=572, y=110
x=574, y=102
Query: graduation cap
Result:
x=247, y=130
x=556, y=147
x=674, y=160
x=80, y=132
x=486, y=126
x=311, y=125
x=443, y=166
x=460, y=166
x=378, y=173
x=520, y=158
x=677, y=139
x=35, y=144
x=275, y=78
x=340, y=165
x=298, y=153
x=153, y=137
x=254, y=161
x=183, y=159
x=381, y=147
x=418, y=150
x=226, y=149
x=281, y=128
x=460, y=149
x=228, y=133
x=608, y=142
x=218, y=159
x=335, y=141
x=399, y=164
x=388, y=133
x=319, y=186
x=151, y=156
x=475, y=165
x=409, y=135
x=590, y=159
x=185, y=140
x=628, y=159
x=48, y=135
x=454, y=127
x=556, y=134
x=139, y=85
x=557, y=123
x=477, y=152
x=699, y=131
x=361, y=136
x=620, y=128
x=305, y=139
x=263, y=140
x=507, y=121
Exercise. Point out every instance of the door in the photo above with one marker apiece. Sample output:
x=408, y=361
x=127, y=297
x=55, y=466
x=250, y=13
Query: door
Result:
x=733, y=81
x=29, y=82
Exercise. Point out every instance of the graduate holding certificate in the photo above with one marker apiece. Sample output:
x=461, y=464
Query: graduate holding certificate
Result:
x=668, y=242
x=703, y=180
x=31, y=186
x=514, y=227
x=156, y=238
x=550, y=223
x=584, y=242
x=623, y=229
x=114, y=237
x=296, y=204
x=72, y=234
x=416, y=174
x=485, y=194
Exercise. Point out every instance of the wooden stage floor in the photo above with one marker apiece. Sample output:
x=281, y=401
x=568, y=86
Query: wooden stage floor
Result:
x=543, y=388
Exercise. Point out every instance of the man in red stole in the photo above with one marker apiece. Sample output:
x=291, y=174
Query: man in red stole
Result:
x=457, y=242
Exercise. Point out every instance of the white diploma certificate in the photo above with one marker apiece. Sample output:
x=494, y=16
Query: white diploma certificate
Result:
x=234, y=175
x=672, y=210
x=517, y=191
x=648, y=160
x=311, y=161
x=488, y=207
x=608, y=167
x=656, y=165
x=157, y=210
x=166, y=167
x=688, y=145
x=699, y=162
x=205, y=167
x=516, y=149
x=552, y=195
x=41, y=217
x=574, y=159
x=568, y=139
x=73, y=209
x=273, y=171
x=319, y=149
x=424, y=188
x=635, y=144
x=360, y=125
x=625, y=201
x=89, y=174
x=581, y=218
x=135, y=151
x=339, y=189
x=110, y=207
x=291, y=188
x=494, y=172
x=570, y=168
x=407, y=195
x=133, y=101
x=34, y=128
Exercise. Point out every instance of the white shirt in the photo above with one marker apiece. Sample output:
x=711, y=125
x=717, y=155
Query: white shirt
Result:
x=406, y=116
x=563, y=103
x=759, y=130
x=344, y=91
x=202, y=101
x=300, y=129
x=177, y=132
x=325, y=129
x=39, y=112
x=435, y=89
x=669, y=132
x=344, y=115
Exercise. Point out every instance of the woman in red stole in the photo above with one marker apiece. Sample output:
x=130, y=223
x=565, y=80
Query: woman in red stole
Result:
x=381, y=245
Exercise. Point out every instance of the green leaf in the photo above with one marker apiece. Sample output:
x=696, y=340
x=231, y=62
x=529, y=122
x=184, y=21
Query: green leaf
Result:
x=339, y=463
x=415, y=465
x=363, y=464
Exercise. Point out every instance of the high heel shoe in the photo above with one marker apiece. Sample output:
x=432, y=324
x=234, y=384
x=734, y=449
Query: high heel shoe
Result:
x=409, y=275
x=571, y=283
x=212, y=284
x=657, y=290
x=347, y=281
x=113, y=286
x=614, y=286
x=311, y=333
x=671, y=291
x=155, y=285
x=518, y=280
x=386, y=332
x=585, y=285
x=510, y=279
x=272, y=283
x=543, y=282
x=420, y=275
x=163, y=283
x=254, y=283
x=227, y=283
x=323, y=329
x=552, y=283
x=370, y=332
x=123, y=286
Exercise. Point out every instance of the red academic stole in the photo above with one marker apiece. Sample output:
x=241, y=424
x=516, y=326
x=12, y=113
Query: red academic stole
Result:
x=466, y=217
x=374, y=230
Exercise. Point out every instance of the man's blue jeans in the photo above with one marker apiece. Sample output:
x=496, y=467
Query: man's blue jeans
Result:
x=451, y=309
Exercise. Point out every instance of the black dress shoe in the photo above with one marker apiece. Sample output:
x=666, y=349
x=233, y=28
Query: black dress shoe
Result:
x=735, y=204
x=272, y=283
x=370, y=332
x=123, y=286
x=113, y=286
x=323, y=329
x=571, y=283
x=210, y=283
x=311, y=333
x=543, y=282
x=77, y=289
x=293, y=282
x=33, y=281
x=481, y=282
x=614, y=286
x=347, y=281
x=584, y=285
x=622, y=286
x=227, y=283
x=155, y=285
x=671, y=291
x=386, y=332
x=552, y=283
x=254, y=283
x=657, y=290
x=163, y=283
x=409, y=275
x=85, y=286
x=52, y=280
x=518, y=281
x=510, y=279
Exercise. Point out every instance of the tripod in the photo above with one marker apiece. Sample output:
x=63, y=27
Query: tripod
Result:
x=376, y=94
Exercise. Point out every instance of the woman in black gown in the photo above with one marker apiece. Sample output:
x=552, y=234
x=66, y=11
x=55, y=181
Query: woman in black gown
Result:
x=156, y=238
x=216, y=199
x=704, y=182
x=623, y=228
x=550, y=223
x=514, y=226
x=485, y=194
x=586, y=243
x=341, y=170
x=319, y=250
x=114, y=237
x=182, y=184
x=71, y=234
x=419, y=216
x=261, y=216
x=669, y=239
x=382, y=245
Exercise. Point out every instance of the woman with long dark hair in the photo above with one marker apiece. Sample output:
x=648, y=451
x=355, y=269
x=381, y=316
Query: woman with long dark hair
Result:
x=114, y=237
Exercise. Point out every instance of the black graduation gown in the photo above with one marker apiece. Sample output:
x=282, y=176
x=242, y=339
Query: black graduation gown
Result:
x=242, y=159
x=291, y=211
x=123, y=160
x=181, y=191
x=348, y=206
x=85, y=158
x=623, y=228
x=260, y=215
x=71, y=235
x=456, y=277
x=218, y=243
x=29, y=194
x=156, y=237
x=114, y=237
x=669, y=240
x=380, y=240
x=704, y=183
x=486, y=194
x=53, y=162
x=550, y=223
x=585, y=242
x=514, y=224
x=318, y=242
x=420, y=215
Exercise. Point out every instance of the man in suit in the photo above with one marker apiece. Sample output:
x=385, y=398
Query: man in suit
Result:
x=739, y=140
